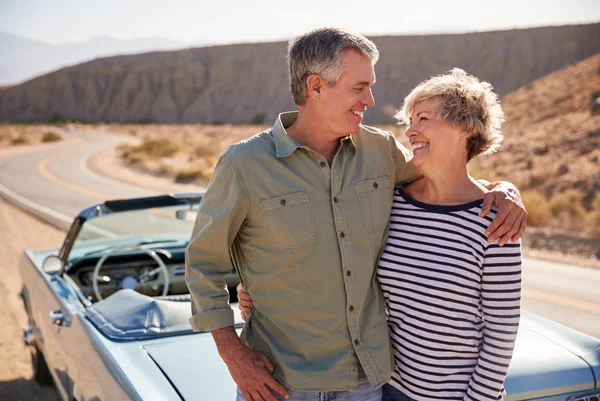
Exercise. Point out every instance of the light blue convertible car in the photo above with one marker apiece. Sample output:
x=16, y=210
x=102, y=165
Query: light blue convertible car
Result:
x=108, y=317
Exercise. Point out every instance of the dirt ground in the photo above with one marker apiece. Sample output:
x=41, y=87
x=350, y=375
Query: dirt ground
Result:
x=18, y=231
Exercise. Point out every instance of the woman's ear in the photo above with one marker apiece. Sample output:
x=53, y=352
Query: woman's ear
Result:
x=314, y=84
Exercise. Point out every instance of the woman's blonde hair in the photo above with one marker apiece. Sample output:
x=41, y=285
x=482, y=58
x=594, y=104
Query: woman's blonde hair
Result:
x=465, y=102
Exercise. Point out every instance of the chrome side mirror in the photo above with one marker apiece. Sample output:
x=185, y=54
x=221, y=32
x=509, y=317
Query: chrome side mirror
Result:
x=52, y=265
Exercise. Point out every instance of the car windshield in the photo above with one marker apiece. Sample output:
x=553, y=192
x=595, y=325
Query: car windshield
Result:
x=160, y=226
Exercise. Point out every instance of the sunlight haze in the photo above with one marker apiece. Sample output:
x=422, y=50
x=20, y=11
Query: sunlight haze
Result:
x=220, y=22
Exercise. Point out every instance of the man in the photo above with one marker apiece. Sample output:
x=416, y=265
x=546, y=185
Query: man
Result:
x=303, y=208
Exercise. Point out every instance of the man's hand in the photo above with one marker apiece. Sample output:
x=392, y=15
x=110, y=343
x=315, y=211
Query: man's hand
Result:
x=245, y=301
x=251, y=370
x=511, y=220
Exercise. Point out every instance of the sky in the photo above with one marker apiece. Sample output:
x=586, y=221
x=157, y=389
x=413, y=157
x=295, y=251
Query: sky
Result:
x=227, y=21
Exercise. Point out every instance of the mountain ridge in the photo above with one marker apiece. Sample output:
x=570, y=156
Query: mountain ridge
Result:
x=240, y=83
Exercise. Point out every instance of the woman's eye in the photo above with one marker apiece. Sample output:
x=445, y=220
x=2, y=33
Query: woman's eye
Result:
x=423, y=119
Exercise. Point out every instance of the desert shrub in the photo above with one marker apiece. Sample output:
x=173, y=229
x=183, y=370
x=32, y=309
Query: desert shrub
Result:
x=595, y=214
x=51, y=136
x=259, y=118
x=150, y=149
x=191, y=173
x=157, y=148
x=19, y=140
x=538, y=208
x=568, y=203
x=203, y=150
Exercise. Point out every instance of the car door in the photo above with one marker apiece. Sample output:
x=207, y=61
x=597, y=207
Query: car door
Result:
x=50, y=318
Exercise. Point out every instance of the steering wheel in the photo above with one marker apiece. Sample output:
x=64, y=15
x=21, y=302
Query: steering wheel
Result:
x=145, y=276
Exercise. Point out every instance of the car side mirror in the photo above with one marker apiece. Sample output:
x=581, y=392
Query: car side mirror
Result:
x=52, y=265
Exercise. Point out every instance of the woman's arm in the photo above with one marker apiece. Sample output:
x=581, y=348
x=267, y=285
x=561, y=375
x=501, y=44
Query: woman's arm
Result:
x=501, y=302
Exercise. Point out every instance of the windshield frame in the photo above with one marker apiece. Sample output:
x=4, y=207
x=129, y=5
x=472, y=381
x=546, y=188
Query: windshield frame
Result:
x=118, y=206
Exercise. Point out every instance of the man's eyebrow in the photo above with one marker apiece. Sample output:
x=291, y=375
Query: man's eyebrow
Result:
x=363, y=83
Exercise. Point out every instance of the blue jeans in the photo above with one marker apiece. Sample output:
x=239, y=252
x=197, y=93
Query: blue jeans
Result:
x=364, y=392
x=391, y=393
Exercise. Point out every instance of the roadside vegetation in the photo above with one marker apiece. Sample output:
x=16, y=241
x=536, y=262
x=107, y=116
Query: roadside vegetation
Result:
x=28, y=134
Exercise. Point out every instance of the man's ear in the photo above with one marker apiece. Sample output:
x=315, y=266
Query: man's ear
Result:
x=314, y=84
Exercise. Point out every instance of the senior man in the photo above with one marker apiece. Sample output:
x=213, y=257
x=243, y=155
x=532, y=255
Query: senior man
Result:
x=303, y=208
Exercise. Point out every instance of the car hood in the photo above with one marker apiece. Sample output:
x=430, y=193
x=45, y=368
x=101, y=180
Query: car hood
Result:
x=550, y=359
x=546, y=362
x=194, y=367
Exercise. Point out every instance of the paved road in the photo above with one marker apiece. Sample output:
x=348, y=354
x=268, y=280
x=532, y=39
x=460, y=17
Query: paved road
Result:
x=54, y=182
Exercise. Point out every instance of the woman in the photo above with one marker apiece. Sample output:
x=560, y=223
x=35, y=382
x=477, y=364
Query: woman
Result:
x=453, y=299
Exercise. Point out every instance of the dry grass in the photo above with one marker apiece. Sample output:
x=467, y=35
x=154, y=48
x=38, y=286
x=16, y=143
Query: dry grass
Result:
x=192, y=173
x=28, y=134
x=538, y=208
x=51, y=136
x=594, y=227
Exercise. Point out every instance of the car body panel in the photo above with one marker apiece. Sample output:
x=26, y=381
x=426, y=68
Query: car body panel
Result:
x=198, y=371
x=71, y=353
x=540, y=368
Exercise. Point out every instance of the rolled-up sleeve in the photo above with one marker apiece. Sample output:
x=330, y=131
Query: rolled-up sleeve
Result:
x=405, y=171
x=221, y=214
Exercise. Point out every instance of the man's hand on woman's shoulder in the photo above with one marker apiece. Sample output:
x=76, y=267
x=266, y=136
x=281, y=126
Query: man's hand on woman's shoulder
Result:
x=511, y=220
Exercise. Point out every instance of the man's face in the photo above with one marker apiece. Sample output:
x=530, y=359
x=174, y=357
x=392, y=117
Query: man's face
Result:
x=343, y=104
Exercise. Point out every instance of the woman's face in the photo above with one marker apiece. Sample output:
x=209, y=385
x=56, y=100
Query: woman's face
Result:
x=434, y=142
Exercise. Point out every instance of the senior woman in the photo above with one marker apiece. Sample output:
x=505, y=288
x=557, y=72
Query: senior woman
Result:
x=453, y=298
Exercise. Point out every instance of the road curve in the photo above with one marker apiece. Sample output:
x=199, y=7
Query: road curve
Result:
x=54, y=183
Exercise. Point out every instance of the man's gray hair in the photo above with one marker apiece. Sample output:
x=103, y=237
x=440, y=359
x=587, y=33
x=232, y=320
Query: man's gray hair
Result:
x=319, y=52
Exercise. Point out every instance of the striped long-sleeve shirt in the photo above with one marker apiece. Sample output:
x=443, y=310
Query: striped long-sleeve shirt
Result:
x=453, y=301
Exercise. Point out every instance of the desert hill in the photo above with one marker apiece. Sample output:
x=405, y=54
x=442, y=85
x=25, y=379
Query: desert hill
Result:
x=552, y=136
x=243, y=83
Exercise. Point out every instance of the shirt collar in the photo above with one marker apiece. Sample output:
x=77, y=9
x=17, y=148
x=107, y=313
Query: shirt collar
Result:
x=284, y=144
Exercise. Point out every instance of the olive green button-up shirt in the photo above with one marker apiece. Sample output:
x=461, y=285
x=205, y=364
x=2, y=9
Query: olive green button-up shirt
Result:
x=304, y=238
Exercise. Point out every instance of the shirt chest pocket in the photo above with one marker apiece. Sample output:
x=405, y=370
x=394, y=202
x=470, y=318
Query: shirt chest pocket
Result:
x=289, y=220
x=375, y=200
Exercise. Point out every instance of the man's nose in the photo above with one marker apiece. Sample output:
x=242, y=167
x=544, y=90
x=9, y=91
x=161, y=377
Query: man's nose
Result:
x=369, y=100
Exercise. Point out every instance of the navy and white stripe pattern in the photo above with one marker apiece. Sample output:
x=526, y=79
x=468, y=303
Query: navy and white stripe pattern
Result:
x=453, y=301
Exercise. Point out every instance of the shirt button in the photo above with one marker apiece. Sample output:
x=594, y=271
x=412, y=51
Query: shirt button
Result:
x=343, y=234
x=356, y=342
x=323, y=164
x=335, y=199
x=283, y=202
x=348, y=273
x=351, y=308
x=375, y=185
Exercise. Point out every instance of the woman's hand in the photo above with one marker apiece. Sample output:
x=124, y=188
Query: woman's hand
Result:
x=245, y=301
x=511, y=220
